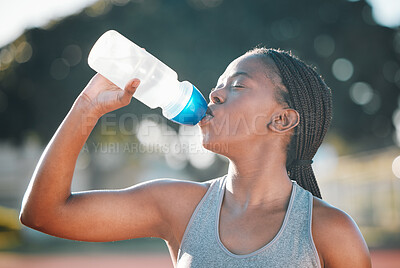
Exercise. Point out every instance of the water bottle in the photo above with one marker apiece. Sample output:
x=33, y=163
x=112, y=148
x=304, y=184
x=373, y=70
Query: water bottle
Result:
x=119, y=60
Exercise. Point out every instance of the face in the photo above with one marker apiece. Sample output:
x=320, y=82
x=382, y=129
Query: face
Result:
x=243, y=104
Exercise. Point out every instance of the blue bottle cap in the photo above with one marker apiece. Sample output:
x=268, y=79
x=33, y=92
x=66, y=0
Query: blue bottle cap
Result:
x=194, y=110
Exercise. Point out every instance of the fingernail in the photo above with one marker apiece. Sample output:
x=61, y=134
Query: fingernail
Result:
x=136, y=83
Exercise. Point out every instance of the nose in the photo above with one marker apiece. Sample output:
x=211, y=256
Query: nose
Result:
x=217, y=96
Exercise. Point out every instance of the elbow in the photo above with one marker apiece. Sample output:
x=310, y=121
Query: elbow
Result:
x=31, y=220
x=25, y=218
x=40, y=216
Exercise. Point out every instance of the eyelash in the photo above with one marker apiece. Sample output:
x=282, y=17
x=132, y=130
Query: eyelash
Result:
x=236, y=86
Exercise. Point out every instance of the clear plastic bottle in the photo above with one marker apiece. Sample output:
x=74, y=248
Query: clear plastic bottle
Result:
x=119, y=60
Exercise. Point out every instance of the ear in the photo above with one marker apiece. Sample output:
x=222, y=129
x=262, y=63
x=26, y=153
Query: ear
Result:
x=284, y=121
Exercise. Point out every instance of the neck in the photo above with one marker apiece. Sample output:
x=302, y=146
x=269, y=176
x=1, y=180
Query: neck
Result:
x=258, y=178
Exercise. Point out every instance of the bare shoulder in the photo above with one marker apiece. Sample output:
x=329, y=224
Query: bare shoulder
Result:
x=174, y=189
x=176, y=201
x=337, y=237
x=174, y=194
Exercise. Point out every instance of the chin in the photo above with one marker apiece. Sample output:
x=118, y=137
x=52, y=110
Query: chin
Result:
x=217, y=147
x=219, y=144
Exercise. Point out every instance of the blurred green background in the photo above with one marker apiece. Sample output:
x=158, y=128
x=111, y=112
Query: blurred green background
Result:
x=45, y=68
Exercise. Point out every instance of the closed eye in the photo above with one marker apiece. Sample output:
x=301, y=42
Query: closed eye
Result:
x=238, y=86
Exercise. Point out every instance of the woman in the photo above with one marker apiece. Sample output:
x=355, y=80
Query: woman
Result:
x=269, y=113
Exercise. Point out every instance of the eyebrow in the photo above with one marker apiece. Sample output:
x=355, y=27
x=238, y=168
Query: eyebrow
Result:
x=238, y=74
x=241, y=73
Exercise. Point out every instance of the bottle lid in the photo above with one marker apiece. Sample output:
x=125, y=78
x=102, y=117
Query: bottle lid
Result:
x=194, y=110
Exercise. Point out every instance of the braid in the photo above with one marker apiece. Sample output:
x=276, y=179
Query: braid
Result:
x=305, y=91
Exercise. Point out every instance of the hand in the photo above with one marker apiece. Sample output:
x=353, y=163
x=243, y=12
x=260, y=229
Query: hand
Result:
x=105, y=97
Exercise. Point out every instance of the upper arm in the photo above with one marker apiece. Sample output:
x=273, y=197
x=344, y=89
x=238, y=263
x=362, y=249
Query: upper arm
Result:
x=142, y=210
x=338, y=239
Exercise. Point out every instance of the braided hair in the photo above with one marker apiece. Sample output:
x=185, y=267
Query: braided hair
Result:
x=302, y=89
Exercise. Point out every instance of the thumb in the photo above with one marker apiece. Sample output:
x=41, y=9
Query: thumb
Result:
x=131, y=87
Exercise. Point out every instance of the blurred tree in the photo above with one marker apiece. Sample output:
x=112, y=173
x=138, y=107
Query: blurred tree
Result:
x=43, y=71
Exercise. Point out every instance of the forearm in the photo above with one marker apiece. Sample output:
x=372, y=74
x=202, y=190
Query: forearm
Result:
x=50, y=185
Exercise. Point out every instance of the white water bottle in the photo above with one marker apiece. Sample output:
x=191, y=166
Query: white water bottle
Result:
x=119, y=60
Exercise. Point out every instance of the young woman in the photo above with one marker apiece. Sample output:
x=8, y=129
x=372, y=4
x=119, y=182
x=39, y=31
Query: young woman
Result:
x=268, y=115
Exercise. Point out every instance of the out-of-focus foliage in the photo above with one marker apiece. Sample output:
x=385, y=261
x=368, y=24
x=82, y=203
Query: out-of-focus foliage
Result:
x=43, y=71
x=9, y=228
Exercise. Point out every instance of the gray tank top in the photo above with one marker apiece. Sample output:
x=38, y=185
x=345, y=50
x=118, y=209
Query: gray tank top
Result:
x=292, y=246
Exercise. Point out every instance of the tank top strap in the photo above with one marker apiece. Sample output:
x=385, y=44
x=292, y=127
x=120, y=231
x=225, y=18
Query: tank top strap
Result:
x=298, y=227
x=299, y=214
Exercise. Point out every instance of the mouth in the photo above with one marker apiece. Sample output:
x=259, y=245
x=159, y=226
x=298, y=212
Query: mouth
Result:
x=209, y=115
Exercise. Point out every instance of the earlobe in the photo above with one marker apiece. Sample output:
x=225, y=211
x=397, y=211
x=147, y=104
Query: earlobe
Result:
x=284, y=121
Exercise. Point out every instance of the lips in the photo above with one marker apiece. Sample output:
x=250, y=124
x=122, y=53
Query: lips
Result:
x=209, y=112
x=209, y=115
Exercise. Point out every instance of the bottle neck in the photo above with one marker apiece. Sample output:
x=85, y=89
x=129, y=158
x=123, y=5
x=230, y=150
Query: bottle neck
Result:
x=179, y=96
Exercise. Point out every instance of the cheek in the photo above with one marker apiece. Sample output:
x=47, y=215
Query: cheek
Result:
x=238, y=123
x=260, y=123
x=235, y=126
x=247, y=116
x=251, y=122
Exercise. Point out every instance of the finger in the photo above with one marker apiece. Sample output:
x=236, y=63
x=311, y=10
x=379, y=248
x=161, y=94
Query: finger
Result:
x=130, y=89
x=131, y=86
